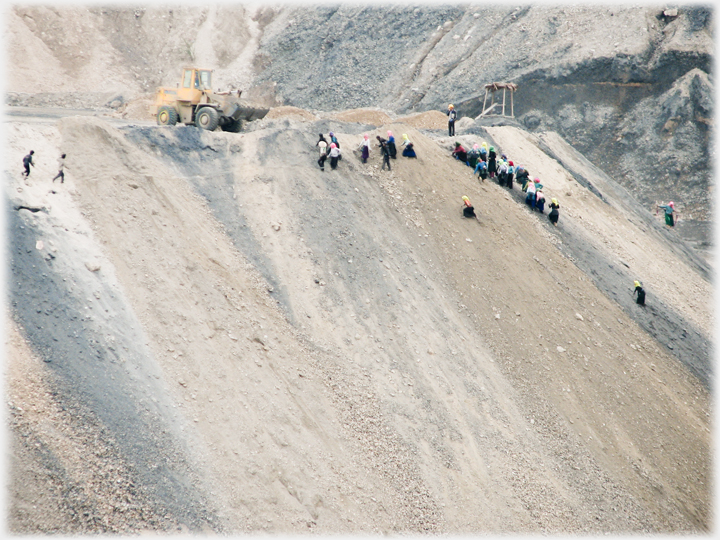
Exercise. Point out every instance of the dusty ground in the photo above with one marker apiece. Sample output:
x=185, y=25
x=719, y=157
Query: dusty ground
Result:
x=340, y=351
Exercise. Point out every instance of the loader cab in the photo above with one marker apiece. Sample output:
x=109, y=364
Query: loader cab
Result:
x=193, y=82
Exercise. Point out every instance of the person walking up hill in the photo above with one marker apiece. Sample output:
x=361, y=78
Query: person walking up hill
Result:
x=61, y=169
x=27, y=161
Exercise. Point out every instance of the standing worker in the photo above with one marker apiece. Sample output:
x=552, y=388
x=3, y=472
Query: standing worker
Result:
x=452, y=115
x=640, y=293
x=392, y=149
x=365, y=148
x=334, y=156
x=669, y=209
x=322, y=145
x=27, y=161
x=61, y=169
x=492, y=162
x=385, y=152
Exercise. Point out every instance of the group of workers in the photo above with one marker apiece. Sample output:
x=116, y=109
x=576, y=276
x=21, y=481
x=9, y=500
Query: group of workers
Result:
x=28, y=162
x=388, y=149
x=486, y=164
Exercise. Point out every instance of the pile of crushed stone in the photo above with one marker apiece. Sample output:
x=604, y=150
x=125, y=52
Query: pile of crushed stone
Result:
x=426, y=120
x=287, y=110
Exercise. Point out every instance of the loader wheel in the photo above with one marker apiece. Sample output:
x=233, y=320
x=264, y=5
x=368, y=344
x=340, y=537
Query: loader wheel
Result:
x=167, y=116
x=233, y=126
x=207, y=118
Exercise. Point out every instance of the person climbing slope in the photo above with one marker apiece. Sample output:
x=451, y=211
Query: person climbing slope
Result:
x=333, y=139
x=640, y=293
x=468, y=208
x=492, y=162
x=554, y=211
x=334, y=156
x=530, y=195
x=392, y=149
x=483, y=151
x=385, y=152
x=322, y=146
x=460, y=153
x=27, y=161
x=61, y=169
x=365, y=145
x=669, y=210
x=509, y=175
x=473, y=156
x=481, y=169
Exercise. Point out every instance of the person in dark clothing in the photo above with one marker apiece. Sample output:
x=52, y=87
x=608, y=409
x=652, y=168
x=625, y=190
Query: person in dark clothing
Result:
x=391, y=145
x=460, y=153
x=27, y=161
x=468, y=208
x=409, y=150
x=323, y=148
x=334, y=155
x=452, y=115
x=554, y=211
x=385, y=153
x=522, y=176
x=492, y=162
x=640, y=293
x=481, y=169
x=510, y=173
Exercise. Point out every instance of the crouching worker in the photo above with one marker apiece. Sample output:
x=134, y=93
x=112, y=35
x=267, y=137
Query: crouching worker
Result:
x=460, y=153
x=409, y=150
x=640, y=293
x=481, y=170
x=554, y=211
x=468, y=209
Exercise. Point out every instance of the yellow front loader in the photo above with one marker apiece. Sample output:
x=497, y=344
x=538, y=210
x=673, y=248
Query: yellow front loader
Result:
x=194, y=102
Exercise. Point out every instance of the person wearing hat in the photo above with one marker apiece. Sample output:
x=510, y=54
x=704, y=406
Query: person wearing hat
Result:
x=669, y=209
x=554, y=211
x=409, y=150
x=460, y=153
x=510, y=173
x=492, y=162
x=365, y=148
x=540, y=201
x=640, y=293
x=530, y=194
x=468, y=208
x=334, y=156
x=481, y=169
x=391, y=145
x=322, y=146
x=452, y=115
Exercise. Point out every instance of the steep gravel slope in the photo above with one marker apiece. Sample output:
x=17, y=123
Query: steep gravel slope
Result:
x=341, y=351
x=628, y=87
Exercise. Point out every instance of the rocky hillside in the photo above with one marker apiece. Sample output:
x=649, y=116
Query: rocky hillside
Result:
x=206, y=333
x=629, y=87
x=209, y=333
